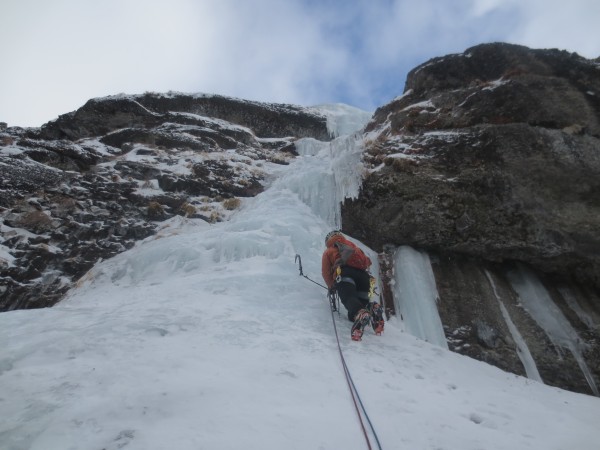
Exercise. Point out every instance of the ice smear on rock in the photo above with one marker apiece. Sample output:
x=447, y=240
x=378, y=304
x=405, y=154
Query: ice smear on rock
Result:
x=522, y=349
x=549, y=317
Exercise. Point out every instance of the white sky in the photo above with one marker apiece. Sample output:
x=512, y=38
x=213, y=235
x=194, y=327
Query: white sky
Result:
x=57, y=54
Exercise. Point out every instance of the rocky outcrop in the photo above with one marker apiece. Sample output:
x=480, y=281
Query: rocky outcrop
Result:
x=492, y=157
x=481, y=305
x=493, y=153
x=104, y=115
x=502, y=192
x=499, y=84
x=90, y=184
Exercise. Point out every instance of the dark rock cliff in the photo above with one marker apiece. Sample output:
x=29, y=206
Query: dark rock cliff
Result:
x=90, y=184
x=103, y=115
x=492, y=157
x=493, y=153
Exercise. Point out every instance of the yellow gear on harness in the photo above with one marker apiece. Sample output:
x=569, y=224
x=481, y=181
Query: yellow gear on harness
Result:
x=338, y=274
x=372, y=286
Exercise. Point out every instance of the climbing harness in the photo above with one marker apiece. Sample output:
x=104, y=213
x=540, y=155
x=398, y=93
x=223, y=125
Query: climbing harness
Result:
x=332, y=296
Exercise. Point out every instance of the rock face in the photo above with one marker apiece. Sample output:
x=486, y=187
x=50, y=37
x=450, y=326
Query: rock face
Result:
x=492, y=153
x=101, y=116
x=490, y=157
x=90, y=184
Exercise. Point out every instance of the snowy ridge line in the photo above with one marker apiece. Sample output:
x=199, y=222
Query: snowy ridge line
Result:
x=221, y=123
x=287, y=107
x=424, y=104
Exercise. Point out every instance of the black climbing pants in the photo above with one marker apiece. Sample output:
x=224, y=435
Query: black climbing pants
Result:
x=353, y=289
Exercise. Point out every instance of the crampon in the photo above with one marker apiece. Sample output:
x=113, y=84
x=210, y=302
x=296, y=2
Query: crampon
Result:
x=360, y=322
x=377, y=321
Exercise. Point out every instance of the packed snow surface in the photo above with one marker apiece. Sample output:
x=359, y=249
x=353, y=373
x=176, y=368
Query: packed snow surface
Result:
x=206, y=337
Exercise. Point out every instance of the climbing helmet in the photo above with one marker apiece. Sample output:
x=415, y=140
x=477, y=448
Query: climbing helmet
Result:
x=331, y=234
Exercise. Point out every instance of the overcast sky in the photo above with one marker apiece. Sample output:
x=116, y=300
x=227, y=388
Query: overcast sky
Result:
x=57, y=54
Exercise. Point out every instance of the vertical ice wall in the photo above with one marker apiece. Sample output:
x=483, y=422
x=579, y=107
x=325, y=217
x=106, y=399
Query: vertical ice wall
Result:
x=312, y=180
x=327, y=173
x=347, y=169
x=416, y=295
x=522, y=349
x=549, y=317
x=343, y=119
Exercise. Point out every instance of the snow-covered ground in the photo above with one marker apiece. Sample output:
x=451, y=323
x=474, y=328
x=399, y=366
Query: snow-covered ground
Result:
x=205, y=337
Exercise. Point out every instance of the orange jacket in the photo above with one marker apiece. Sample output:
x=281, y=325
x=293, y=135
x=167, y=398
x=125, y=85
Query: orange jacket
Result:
x=331, y=259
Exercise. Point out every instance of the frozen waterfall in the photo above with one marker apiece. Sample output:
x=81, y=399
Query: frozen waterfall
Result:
x=327, y=173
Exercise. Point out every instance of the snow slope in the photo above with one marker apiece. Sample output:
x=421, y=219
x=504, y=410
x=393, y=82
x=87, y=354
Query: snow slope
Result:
x=205, y=337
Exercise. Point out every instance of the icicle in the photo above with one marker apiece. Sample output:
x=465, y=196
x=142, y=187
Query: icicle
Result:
x=330, y=172
x=522, y=348
x=347, y=168
x=416, y=295
x=335, y=170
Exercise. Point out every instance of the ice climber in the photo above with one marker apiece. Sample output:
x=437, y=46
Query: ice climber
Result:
x=344, y=269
